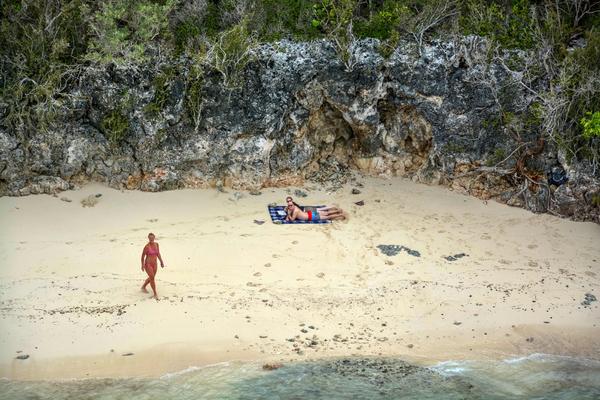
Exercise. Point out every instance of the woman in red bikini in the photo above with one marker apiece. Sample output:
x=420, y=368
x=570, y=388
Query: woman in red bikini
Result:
x=150, y=253
x=295, y=212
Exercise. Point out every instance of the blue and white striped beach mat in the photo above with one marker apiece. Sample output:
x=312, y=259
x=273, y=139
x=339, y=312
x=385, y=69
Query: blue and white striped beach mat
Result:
x=278, y=216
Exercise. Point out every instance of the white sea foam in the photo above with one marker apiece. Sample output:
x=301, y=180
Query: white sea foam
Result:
x=450, y=367
x=193, y=368
x=544, y=357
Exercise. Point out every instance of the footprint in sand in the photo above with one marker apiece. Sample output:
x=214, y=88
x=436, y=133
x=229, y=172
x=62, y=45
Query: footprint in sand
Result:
x=485, y=236
x=152, y=220
x=532, y=246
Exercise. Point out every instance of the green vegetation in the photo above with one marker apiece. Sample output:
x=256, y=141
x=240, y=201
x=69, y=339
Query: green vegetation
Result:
x=230, y=52
x=115, y=126
x=162, y=86
x=122, y=29
x=46, y=43
x=591, y=125
x=510, y=23
x=498, y=156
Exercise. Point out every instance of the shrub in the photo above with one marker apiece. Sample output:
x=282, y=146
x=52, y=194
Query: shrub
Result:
x=124, y=28
x=275, y=19
x=384, y=22
x=511, y=27
x=230, y=52
x=590, y=125
x=162, y=86
x=41, y=40
x=115, y=126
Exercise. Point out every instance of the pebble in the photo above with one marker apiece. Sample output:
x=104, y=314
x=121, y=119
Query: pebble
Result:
x=300, y=193
x=360, y=203
x=455, y=257
x=355, y=191
x=589, y=298
x=22, y=357
x=271, y=366
x=127, y=354
x=394, y=249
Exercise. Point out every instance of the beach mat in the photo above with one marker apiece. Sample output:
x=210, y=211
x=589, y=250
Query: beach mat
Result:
x=278, y=216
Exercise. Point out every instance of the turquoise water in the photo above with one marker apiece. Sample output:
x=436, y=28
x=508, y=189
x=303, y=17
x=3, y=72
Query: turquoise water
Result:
x=533, y=377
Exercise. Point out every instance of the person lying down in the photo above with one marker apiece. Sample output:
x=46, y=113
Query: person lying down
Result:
x=294, y=212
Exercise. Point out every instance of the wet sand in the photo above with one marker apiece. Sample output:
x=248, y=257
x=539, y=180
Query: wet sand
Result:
x=473, y=280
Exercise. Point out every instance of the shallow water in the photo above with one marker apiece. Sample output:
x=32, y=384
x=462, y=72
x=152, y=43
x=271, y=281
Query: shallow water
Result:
x=533, y=377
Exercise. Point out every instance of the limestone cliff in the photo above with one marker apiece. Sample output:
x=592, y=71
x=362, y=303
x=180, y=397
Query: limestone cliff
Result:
x=438, y=115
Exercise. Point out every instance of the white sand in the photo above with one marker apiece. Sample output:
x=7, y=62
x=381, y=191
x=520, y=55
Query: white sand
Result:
x=70, y=278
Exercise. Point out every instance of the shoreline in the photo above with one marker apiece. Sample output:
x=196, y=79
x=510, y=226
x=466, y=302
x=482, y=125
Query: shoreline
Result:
x=69, y=281
x=178, y=359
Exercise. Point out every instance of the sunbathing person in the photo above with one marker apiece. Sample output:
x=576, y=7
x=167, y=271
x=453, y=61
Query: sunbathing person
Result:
x=324, y=213
x=289, y=200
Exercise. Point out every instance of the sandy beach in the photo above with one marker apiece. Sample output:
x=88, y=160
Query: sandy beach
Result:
x=233, y=289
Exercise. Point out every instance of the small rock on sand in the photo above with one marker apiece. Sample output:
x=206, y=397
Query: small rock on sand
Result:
x=66, y=199
x=355, y=191
x=589, y=298
x=393, y=249
x=300, y=193
x=127, y=354
x=271, y=366
x=22, y=357
x=259, y=222
x=89, y=201
x=456, y=257
x=360, y=203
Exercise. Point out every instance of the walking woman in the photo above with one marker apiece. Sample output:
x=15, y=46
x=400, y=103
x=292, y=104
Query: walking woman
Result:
x=150, y=254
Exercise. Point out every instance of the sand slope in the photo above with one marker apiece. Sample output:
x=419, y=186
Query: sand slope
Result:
x=233, y=289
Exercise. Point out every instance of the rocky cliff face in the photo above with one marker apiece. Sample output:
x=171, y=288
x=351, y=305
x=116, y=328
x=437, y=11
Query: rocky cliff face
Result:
x=436, y=117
